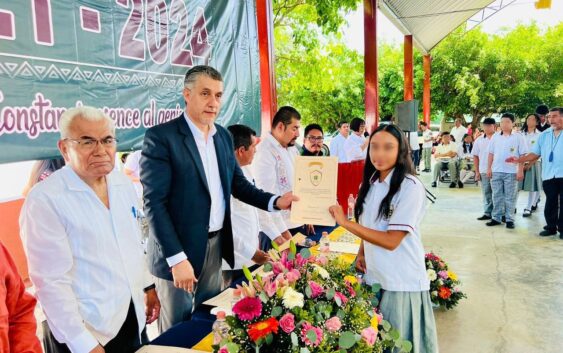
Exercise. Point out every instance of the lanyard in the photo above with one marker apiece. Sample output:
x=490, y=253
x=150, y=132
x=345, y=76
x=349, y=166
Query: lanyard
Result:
x=553, y=144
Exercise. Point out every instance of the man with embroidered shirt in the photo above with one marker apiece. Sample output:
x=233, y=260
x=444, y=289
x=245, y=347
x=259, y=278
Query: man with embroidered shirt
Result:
x=244, y=218
x=84, y=245
x=550, y=149
x=505, y=176
x=189, y=172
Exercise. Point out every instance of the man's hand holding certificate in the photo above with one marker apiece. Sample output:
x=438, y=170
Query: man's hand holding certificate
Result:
x=315, y=185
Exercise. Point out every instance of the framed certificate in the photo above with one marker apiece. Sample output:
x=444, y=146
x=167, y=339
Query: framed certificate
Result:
x=315, y=180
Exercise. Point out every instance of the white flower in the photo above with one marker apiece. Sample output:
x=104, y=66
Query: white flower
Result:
x=431, y=274
x=434, y=293
x=292, y=298
x=322, y=272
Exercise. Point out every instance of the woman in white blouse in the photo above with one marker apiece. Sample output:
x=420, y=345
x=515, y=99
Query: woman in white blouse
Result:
x=356, y=144
x=390, y=206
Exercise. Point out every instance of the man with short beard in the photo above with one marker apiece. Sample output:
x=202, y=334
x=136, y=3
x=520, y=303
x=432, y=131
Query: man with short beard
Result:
x=273, y=171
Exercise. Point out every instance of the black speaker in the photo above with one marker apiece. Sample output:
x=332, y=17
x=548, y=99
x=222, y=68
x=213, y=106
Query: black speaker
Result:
x=406, y=114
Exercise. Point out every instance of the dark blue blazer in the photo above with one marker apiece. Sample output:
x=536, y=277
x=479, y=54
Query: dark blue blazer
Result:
x=177, y=199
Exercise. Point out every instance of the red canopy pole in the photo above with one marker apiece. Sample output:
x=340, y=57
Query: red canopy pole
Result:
x=370, y=64
x=268, y=105
x=408, y=69
x=426, y=64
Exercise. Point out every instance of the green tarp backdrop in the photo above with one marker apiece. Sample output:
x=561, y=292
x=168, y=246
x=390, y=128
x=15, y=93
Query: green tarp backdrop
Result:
x=127, y=57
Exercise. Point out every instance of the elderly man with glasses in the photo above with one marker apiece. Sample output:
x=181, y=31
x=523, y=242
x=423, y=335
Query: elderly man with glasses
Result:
x=313, y=141
x=84, y=245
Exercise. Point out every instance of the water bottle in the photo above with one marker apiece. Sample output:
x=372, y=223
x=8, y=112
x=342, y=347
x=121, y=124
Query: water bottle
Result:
x=351, y=205
x=324, y=243
x=220, y=328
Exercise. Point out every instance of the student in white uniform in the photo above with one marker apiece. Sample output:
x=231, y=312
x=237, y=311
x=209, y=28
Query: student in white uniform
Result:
x=356, y=144
x=337, y=143
x=244, y=217
x=480, y=161
x=532, y=170
x=426, y=146
x=273, y=170
x=390, y=206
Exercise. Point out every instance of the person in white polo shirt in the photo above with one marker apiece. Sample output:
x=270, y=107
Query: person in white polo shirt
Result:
x=446, y=153
x=458, y=131
x=390, y=207
x=337, y=143
x=505, y=176
x=427, y=140
x=244, y=218
x=481, y=161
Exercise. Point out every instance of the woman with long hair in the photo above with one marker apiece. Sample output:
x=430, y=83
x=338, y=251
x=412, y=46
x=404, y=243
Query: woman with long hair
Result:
x=532, y=171
x=390, y=206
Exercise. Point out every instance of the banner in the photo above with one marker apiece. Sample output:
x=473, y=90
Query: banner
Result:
x=126, y=57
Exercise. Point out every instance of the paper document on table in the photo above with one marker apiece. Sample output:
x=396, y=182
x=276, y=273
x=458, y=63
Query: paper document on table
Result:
x=165, y=349
x=315, y=180
x=223, y=300
x=346, y=248
x=297, y=239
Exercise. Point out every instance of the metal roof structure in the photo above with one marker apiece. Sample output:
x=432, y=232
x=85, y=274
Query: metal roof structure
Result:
x=430, y=21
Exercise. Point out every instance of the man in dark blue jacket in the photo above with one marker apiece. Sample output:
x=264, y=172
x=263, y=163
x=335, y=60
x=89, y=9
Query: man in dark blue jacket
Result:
x=189, y=172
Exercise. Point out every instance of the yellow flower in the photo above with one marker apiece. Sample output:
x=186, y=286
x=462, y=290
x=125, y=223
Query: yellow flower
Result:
x=351, y=279
x=452, y=275
x=374, y=322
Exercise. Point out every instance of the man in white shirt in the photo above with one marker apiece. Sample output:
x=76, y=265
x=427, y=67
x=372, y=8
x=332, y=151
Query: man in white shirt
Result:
x=244, y=218
x=458, y=131
x=480, y=154
x=415, y=148
x=505, y=176
x=273, y=171
x=132, y=169
x=83, y=245
x=337, y=143
x=446, y=153
x=427, y=140
x=356, y=144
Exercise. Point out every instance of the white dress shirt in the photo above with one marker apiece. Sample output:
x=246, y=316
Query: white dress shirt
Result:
x=337, y=148
x=246, y=227
x=503, y=146
x=353, y=148
x=458, y=132
x=206, y=149
x=85, y=260
x=413, y=140
x=481, y=150
x=427, y=135
x=402, y=269
x=273, y=171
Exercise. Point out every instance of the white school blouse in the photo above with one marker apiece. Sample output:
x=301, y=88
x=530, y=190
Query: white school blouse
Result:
x=403, y=269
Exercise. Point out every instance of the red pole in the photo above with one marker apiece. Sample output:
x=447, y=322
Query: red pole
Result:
x=370, y=64
x=426, y=64
x=408, y=69
x=268, y=105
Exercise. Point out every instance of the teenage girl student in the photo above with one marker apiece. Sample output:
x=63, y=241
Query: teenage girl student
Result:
x=390, y=206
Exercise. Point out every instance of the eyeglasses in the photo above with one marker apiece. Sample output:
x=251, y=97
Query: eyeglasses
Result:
x=90, y=144
x=315, y=139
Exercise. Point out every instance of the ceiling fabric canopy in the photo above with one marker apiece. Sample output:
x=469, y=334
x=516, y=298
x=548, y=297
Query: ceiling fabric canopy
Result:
x=430, y=21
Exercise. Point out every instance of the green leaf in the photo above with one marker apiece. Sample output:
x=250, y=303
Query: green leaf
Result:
x=308, y=291
x=232, y=347
x=292, y=247
x=305, y=253
x=305, y=350
x=330, y=293
x=268, y=267
x=269, y=339
x=263, y=297
x=395, y=334
x=247, y=273
x=276, y=311
x=291, y=256
x=275, y=246
x=347, y=340
x=407, y=346
x=386, y=325
x=376, y=287
x=312, y=335
x=294, y=340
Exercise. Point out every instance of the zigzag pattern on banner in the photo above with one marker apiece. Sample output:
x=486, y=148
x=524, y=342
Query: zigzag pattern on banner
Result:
x=77, y=74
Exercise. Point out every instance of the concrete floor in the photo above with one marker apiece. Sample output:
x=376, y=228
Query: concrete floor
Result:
x=513, y=278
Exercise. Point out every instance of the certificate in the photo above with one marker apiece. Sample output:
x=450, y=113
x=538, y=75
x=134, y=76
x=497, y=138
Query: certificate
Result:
x=314, y=183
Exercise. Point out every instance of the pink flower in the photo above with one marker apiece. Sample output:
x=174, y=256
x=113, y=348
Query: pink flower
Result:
x=443, y=274
x=350, y=289
x=305, y=328
x=316, y=289
x=270, y=287
x=223, y=350
x=286, y=262
x=333, y=324
x=287, y=323
x=248, y=308
x=292, y=276
x=300, y=261
x=369, y=335
x=321, y=260
x=278, y=268
x=342, y=297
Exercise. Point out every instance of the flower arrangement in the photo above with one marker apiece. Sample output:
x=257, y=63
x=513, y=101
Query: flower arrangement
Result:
x=307, y=304
x=444, y=284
